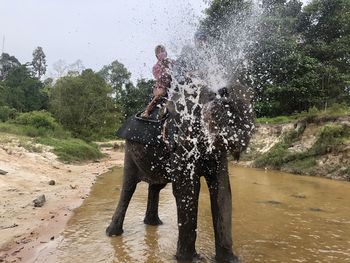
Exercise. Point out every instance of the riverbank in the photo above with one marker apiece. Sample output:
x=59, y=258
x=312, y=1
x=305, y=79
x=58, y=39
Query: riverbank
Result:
x=26, y=229
x=316, y=146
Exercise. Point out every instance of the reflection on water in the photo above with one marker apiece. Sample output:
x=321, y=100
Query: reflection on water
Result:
x=277, y=217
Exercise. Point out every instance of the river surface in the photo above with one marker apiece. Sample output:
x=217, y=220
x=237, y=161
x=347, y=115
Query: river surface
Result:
x=277, y=217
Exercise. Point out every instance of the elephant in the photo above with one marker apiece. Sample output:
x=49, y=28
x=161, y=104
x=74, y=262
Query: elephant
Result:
x=205, y=126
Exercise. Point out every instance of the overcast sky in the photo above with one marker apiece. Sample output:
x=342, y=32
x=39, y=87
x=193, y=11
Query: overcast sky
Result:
x=97, y=32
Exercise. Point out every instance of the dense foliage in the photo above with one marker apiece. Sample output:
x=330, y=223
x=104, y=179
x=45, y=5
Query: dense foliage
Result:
x=83, y=105
x=7, y=64
x=89, y=105
x=297, y=57
x=22, y=91
x=133, y=99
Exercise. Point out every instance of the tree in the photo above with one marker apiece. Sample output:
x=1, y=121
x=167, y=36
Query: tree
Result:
x=283, y=76
x=116, y=75
x=134, y=99
x=60, y=68
x=23, y=92
x=7, y=113
x=2, y=93
x=325, y=29
x=76, y=68
x=220, y=13
x=48, y=82
x=83, y=104
x=228, y=25
x=39, y=62
x=293, y=58
x=7, y=64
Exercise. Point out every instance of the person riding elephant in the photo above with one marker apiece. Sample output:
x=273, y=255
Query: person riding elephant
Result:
x=162, y=76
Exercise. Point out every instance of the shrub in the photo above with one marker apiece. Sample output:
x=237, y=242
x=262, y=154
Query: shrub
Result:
x=7, y=113
x=44, y=128
x=36, y=124
x=275, y=157
x=83, y=105
x=37, y=119
x=330, y=139
x=276, y=120
x=340, y=109
x=72, y=150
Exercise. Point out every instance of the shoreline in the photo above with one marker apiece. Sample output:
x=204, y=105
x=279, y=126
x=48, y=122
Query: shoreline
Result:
x=26, y=231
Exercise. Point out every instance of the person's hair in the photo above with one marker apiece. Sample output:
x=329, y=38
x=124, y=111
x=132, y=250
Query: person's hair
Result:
x=159, y=48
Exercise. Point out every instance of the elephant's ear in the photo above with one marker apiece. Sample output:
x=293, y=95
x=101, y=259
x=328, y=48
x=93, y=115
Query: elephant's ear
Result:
x=238, y=91
x=241, y=126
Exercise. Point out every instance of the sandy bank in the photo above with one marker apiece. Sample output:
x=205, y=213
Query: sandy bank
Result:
x=25, y=229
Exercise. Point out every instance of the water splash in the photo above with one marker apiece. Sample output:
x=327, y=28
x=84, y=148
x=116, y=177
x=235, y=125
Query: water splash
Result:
x=213, y=108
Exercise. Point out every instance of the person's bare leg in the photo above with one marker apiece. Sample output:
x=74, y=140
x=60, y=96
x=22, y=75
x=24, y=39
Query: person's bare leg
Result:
x=149, y=107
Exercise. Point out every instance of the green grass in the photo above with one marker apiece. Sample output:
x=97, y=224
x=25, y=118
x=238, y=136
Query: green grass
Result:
x=274, y=158
x=37, y=128
x=331, y=139
x=335, y=110
x=277, y=120
x=20, y=141
x=72, y=150
x=278, y=154
x=31, y=131
x=5, y=138
x=302, y=166
x=65, y=147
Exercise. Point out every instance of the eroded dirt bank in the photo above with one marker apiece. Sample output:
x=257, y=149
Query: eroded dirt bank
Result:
x=24, y=229
x=317, y=146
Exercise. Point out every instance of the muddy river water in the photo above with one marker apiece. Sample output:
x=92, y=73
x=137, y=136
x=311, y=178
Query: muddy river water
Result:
x=277, y=217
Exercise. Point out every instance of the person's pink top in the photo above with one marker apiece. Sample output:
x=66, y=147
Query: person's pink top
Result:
x=161, y=74
x=157, y=71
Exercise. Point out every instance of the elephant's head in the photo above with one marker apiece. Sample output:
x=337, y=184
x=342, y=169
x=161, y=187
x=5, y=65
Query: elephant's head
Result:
x=224, y=118
x=229, y=118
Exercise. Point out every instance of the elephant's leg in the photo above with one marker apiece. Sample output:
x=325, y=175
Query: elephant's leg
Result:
x=221, y=208
x=129, y=185
x=151, y=217
x=186, y=193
